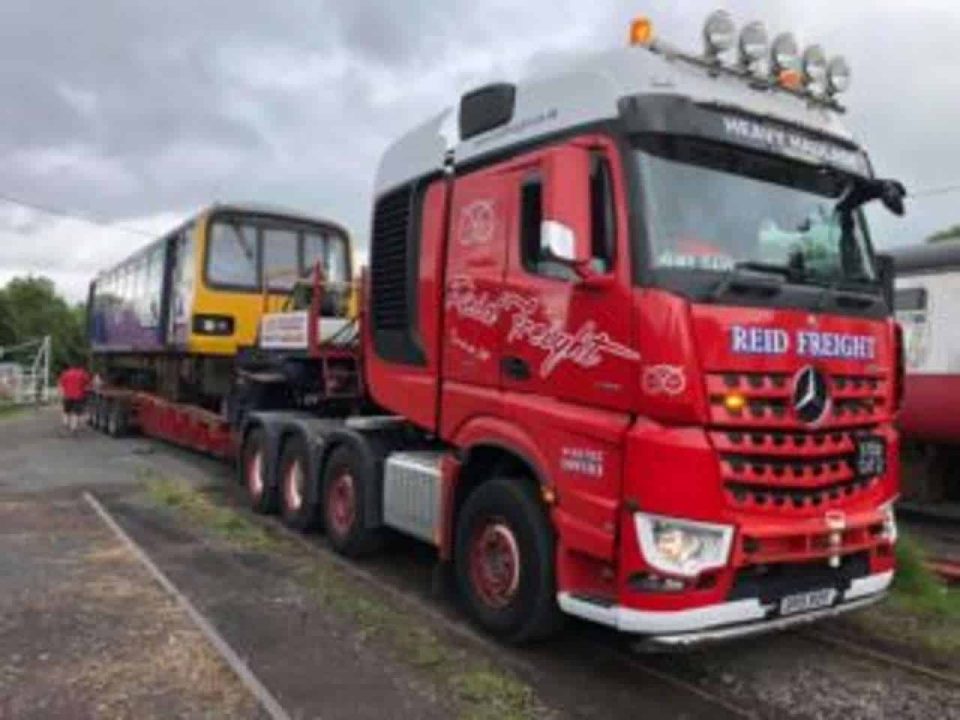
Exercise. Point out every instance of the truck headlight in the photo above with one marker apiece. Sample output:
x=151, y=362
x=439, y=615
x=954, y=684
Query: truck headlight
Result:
x=889, y=522
x=682, y=547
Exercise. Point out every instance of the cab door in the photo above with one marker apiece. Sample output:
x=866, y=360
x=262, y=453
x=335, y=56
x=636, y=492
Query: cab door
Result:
x=480, y=219
x=566, y=337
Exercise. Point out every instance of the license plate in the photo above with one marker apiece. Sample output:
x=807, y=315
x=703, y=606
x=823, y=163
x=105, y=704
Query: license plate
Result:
x=807, y=601
x=871, y=456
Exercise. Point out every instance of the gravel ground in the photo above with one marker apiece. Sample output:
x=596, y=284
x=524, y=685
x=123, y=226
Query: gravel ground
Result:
x=84, y=632
x=582, y=674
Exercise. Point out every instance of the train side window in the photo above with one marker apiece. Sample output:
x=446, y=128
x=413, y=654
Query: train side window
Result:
x=534, y=256
x=907, y=299
x=232, y=256
x=603, y=219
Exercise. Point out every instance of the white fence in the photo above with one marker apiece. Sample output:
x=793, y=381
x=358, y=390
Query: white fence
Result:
x=25, y=373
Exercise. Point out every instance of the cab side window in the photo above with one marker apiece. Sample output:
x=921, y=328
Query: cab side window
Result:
x=535, y=257
x=603, y=220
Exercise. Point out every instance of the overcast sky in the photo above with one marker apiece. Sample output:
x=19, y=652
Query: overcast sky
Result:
x=138, y=113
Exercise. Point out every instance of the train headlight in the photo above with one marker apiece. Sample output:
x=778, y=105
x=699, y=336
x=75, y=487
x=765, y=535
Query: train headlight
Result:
x=682, y=547
x=814, y=68
x=719, y=33
x=754, y=44
x=838, y=75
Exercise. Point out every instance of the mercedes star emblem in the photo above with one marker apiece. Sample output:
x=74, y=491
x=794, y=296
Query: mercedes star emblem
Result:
x=810, y=399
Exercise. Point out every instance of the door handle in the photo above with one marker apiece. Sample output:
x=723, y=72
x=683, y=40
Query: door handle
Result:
x=516, y=368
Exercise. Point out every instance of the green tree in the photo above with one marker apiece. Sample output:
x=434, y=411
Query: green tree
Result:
x=8, y=333
x=951, y=233
x=34, y=309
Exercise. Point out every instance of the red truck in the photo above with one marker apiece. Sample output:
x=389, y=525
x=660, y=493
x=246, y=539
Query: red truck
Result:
x=624, y=352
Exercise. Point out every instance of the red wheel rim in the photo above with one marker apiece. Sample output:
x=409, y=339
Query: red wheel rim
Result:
x=255, y=474
x=495, y=563
x=293, y=486
x=341, y=504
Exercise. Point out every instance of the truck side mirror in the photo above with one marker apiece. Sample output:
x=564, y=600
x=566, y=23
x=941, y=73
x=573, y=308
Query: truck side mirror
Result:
x=566, y=206
x=892, y=193
x=560, y=241
x=886, y=274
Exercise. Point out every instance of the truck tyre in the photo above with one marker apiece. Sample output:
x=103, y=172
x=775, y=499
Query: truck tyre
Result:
x=261, y=493
x=504, y=561
x=116, y=419
x=99, y=414
x=296, y=508
x=344, y=488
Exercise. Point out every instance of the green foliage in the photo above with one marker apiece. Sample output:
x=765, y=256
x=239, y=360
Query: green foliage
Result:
x=917, y=588
x=950, y=233
x=31, y=308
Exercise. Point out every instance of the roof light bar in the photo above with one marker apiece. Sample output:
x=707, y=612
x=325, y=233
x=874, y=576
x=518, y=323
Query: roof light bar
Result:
x=838, y=75
x=762, y=64
x=754, y=44
x=719, y=33
x=814, y=69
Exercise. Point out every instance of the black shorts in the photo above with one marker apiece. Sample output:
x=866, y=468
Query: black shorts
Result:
x=72, y=407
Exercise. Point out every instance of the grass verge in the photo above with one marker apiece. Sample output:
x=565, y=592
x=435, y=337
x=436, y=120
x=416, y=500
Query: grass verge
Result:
x=201, y=510
x=479, y=690
x=922, y=614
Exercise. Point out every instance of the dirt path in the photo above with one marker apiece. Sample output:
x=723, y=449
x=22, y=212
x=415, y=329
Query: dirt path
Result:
x=84, y=632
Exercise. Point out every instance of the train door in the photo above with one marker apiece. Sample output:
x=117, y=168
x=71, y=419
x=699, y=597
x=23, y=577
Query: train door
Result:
x=181, y=285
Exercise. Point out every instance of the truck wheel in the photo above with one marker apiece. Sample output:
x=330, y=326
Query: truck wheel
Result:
x=344, y=488
x=116, y=419
x=296, y=508
x=261, y=494
x=99, y=414
x=504, y=561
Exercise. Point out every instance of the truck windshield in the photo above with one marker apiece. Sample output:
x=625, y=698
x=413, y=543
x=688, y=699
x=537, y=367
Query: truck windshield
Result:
x=714, y=208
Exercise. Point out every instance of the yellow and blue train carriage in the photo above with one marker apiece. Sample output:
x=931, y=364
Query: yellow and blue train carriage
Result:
x=171, y=317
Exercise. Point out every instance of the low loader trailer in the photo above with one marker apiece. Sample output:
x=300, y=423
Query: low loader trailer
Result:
x=624, y=352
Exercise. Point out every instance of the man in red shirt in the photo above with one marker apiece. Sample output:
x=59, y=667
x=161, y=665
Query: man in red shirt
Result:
x=74, y=383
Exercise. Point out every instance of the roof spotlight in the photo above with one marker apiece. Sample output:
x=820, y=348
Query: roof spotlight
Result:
x=838, y=75
x=754, y=44
x=784, y=54
x=719, y=33
x=814, y=67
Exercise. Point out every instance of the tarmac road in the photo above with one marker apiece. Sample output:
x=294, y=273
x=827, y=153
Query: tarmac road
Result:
x=329, y=647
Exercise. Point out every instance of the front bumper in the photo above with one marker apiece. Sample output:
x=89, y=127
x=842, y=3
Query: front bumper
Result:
x=722, y=621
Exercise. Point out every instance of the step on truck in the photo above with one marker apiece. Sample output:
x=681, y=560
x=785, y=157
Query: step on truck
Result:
x=624, y=351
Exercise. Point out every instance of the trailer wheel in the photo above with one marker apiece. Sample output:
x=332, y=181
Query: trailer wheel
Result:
x=344, y=488
x=116, y=420
x=296, y=507
x=98, y=413
x=261, y=494
x=504, y=561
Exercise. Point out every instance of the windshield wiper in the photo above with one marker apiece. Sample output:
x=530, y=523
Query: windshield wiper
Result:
x=736, y=278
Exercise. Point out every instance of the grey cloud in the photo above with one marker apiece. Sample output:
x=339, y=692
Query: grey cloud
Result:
x=131, y=108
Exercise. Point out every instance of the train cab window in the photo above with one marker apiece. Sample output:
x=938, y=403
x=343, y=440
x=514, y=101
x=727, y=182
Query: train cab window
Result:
x=328, y=249
x=232, y=256
x=908, y=299
x=280, y=258
x=535, y=257
x=603, y=227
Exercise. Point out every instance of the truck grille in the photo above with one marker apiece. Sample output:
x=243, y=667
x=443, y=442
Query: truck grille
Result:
x=771, y=460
